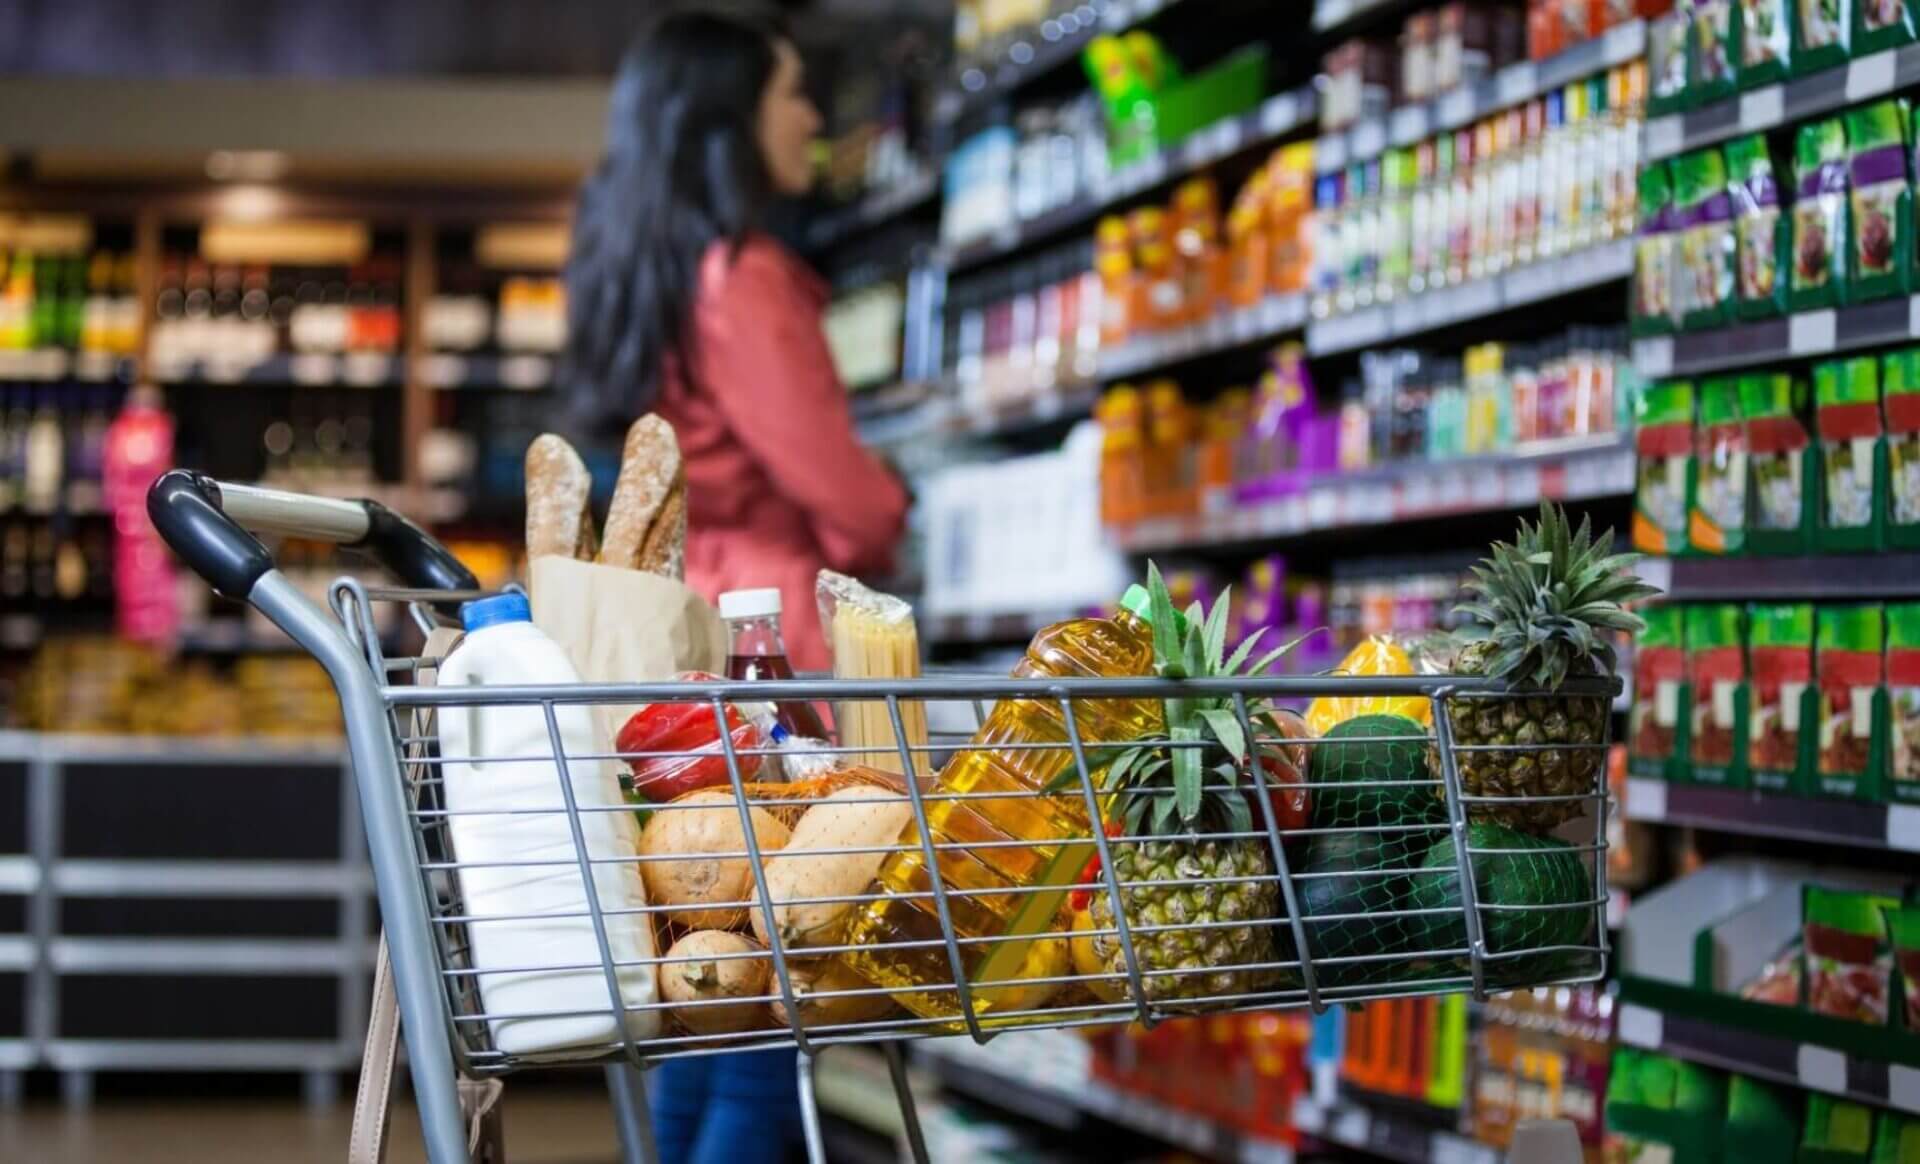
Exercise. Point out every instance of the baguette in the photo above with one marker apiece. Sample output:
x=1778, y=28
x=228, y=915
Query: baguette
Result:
x=646, y=525
x=559, y=505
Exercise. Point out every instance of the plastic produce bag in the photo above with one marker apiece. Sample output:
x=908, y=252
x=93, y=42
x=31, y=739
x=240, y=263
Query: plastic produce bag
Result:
x=693, y=730
x=874, y=637
x=1378, y=655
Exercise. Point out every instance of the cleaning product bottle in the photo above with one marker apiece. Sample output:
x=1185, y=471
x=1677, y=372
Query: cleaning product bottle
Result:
x=985, y=885
x=543, y=907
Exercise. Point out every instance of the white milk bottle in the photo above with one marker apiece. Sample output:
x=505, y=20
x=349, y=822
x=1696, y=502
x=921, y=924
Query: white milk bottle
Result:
x=486, y=800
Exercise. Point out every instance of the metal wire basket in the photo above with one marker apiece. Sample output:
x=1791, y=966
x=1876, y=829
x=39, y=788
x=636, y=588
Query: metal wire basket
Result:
x=1175, y=924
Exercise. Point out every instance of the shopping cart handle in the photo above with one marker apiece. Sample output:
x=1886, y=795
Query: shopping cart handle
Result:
x=206, y=522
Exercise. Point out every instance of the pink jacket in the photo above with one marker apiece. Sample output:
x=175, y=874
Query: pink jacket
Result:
x=778, y=484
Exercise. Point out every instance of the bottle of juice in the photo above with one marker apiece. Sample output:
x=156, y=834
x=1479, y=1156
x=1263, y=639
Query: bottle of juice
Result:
x=984, y=885
x=756, y=650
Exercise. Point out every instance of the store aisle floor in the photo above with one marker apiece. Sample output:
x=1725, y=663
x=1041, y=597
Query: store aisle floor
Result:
x=542, y=1128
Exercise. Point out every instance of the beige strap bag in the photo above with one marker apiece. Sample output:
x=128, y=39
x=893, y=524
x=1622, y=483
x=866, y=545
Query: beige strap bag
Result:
x=373, y=1100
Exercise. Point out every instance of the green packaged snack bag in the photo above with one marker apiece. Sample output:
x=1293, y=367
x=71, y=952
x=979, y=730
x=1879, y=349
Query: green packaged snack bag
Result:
x=1655, y=732
x=1853, y=456
x=1836, y=1131
x=1850, y=667
x=1766, y=44
x=1849, y=965
x=1881, y=252
x=1783, y=708
x=1783, y=465
x=1714, y=52
x=1717, y=519
x=1653, y=253
x=1704, y=217
x=1762, y=1121
x=1880, y=25
x=1761, y=229
x=1716, y=681
x=1903, y=706
x=1900, y=400
x=1896, y=1138
x=1667, y=38
x=1822, y=32
x=1663, y=441
x=1903, y=932
x=1820, y=216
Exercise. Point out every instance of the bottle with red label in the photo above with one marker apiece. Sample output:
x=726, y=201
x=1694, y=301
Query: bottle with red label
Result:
x=756, y=650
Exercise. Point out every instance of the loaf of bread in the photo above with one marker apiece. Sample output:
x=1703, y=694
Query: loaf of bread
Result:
x=559, y=501
x=647, y=523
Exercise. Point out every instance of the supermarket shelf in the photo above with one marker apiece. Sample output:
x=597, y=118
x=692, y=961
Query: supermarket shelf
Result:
x=451, y=371
x=1053, y=45
x=272, y=957
x=1386, y=1134
x=1805, y=335
x=1331, y=18
x=1264, y=124
x=199, y=1055
x=1537, y=282
x=145, y=878
x=1772, y=1057
x=1269, y=319
x=1582, y=470
x=1784, y=104
x=874, y=209
x=1514, y=85
x=1733, y=810
x=58, y=364
x=305, y=369
x=1065, y=403
x=1042, y=1099
x=925, y=410
x=254, y=750
x=1816, y=579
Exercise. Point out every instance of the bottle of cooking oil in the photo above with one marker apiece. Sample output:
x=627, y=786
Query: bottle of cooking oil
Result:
x=1008, y=754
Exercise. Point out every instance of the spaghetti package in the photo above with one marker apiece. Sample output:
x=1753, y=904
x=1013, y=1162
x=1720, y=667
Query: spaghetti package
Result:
x=874, y=637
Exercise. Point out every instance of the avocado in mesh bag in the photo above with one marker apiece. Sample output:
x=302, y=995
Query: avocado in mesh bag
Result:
x=1365, y=749
x=1510, y=868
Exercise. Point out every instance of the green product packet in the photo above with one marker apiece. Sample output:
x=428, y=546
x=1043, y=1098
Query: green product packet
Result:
x=1717, y=522
x=1664, y=489
x=1819, y=216
x=1880, y=25
x=1655, y=729
x=1896, y=1139
x=1716, y=680
x=1704, y=211
x=1853, y=455
x=1762, y=231
x=1783, y=706
x=1836, y=1131
x=1783, y=465
x=1850, y=668
x=1900, y=399
x=1880, y=255
x=1714, y=51
x=1903, y=931
x=1762, y=1121
x=1667, y=40
x=1903, y=709
x=1766, y=41
x=1823, y=33
x=1654, y=249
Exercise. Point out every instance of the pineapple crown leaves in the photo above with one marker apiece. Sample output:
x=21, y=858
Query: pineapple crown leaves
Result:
x=1544, y=601
x=1165, y=779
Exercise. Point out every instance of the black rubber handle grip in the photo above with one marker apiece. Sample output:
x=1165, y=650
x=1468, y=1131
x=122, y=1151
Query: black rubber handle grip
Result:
x=412, y=553
x=185, y=508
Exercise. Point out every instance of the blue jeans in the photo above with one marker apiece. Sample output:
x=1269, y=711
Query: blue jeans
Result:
x=742, y=1108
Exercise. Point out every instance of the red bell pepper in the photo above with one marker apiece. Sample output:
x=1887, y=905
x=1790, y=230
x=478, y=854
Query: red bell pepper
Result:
x=686, y=740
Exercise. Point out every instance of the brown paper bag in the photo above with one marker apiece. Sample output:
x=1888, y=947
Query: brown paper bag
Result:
x=624, y=626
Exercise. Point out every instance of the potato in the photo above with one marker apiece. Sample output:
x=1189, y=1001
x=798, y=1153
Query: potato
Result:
x=693, y=880
x=852, y=818
x=815, y=981
x=721, y=977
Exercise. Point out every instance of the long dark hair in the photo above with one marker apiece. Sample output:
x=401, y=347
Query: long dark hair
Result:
x=683, y=169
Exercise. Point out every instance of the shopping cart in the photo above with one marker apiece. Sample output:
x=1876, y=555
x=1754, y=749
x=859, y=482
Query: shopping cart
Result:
x=1416, y=917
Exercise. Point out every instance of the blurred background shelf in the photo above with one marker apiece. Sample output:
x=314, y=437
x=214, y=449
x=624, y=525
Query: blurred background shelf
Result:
x=1735, y=810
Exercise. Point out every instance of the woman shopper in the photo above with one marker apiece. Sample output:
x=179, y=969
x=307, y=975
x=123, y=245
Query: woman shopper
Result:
x=679, y=303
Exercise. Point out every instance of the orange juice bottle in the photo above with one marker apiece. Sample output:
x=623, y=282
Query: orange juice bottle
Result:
x=1160, y=296
x=1170, y=451
x=1289, y=214
x=1226, y=421
x=1113, y=264
x=1248, y=245
x=1122, y=456
x=1196, y=244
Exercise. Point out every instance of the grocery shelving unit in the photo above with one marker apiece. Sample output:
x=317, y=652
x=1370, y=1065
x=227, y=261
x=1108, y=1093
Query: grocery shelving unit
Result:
x=1801, y=336
x=1767, y=106
x=1835, y=822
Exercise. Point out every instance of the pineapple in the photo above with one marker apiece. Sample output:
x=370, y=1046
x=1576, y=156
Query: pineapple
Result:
x=1543, y=605
x=1184, y=876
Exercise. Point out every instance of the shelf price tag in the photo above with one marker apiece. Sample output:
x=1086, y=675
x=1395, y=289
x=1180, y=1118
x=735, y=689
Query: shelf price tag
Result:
x=1278, y=114
x=525, y=373
x=1352, y=1126
x=1903, y=1087
x=1369, y=138
x=1646, y=799
x=1903, y=827
x=1517, y=83
x=1640, y=1027
x=311, y=369
x=1654, y=357
x=1763, y=108
x=1665, y=136
x=1822, y=1069
x=1870, y=76
x=1330, y=153
x=1624, y=43
x=1456, y=107
x=1408, y=125
x=1812, y=333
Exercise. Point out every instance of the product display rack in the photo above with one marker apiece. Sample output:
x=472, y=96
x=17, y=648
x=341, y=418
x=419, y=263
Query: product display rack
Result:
x=1386, y=1134
x=1025, y=58
x=1800, y=99
x=1800, y=336
x=1735, y=810
x=1832, y=578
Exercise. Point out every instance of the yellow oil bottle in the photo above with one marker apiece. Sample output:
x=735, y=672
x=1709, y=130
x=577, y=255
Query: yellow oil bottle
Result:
x=1006, y=891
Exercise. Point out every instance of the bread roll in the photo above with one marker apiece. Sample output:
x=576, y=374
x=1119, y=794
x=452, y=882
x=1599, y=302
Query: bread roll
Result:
x=559, y=505
x=644, y=498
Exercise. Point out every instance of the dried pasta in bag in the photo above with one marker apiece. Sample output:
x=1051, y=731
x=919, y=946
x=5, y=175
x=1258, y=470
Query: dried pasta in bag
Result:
x=873, y=637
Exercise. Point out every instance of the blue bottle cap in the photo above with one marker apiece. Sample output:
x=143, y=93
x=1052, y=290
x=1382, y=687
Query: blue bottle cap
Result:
x=493, y=611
